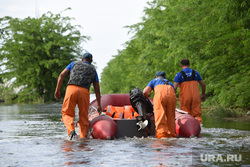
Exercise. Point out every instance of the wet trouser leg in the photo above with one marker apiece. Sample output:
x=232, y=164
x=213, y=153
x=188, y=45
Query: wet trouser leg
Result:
x=76, y=95
x=164, y=111
x=83, y=105
x=68, y=108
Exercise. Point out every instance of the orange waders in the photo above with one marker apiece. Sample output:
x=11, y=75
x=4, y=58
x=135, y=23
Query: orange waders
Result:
x=189, y=98
x=164, y=111
x=80, y=96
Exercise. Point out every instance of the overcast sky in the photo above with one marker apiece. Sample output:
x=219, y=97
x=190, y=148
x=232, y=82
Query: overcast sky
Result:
x=103, y=21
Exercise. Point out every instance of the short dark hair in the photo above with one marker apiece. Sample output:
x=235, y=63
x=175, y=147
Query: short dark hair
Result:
x=185, y=62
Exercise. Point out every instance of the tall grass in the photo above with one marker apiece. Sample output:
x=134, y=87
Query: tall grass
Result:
x=220, y=111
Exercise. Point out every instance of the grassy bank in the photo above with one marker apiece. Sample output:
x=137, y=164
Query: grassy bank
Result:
x=220, y=111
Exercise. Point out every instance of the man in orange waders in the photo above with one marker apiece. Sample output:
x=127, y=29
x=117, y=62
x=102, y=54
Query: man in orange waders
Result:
x=189, y=96
x=82, y=75
x=164, y=105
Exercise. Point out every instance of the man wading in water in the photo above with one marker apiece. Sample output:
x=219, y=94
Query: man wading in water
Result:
x=82, y=75
x=189, y=96
x=164, y=105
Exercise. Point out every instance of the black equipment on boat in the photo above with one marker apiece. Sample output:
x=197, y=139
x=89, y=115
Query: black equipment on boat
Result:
x=142, y=106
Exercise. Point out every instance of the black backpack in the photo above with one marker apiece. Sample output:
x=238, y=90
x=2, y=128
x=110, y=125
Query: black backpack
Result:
x=192, y=78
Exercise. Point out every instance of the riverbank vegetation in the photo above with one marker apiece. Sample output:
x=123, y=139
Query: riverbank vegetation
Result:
x=220, y=111
x=214, y=35
x=33, y=52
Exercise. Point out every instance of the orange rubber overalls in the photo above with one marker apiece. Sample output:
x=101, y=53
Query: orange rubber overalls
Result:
x=80, y=96
x=164, y=111
x=189, y=98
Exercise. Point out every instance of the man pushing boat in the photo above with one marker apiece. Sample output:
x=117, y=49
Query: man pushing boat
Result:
x=164, y=105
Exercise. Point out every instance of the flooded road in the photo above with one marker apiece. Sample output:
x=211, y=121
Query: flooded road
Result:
x=33, y=135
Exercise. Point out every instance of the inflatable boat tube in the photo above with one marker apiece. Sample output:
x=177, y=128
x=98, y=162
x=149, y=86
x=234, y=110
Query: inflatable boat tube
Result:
x=103, y=127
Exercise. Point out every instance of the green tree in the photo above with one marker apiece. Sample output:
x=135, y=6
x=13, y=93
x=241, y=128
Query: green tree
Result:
x=214, y=35
x=35, y=50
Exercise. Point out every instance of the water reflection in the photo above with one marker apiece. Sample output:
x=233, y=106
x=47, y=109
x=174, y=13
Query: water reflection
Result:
x=210, y=122
x=74, y=152
x=171, y=152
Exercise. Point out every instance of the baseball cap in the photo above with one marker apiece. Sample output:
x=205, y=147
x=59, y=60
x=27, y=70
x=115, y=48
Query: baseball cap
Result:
x=87, y=56
x=160, y=73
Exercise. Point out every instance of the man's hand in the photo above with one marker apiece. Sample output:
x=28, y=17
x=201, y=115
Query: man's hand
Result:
x=203, y=98
x=99, y=109
x=57, y=95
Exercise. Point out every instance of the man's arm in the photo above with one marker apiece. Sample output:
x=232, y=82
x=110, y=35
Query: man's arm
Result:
x=98, y=95
x=176, y=84
x=203, y=88
x=59, y=83
x=146, y=91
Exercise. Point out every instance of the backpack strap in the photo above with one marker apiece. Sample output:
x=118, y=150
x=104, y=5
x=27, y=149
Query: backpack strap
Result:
x=166, y=82
x=184, y=75
x=193, y=75
x=192, y=78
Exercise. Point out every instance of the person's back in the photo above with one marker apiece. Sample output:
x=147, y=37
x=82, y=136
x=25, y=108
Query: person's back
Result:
x=164, y=105
x=189, y=96
x=82, y=74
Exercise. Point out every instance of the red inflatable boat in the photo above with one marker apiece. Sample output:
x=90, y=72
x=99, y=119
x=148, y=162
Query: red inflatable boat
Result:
x=105, y=127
